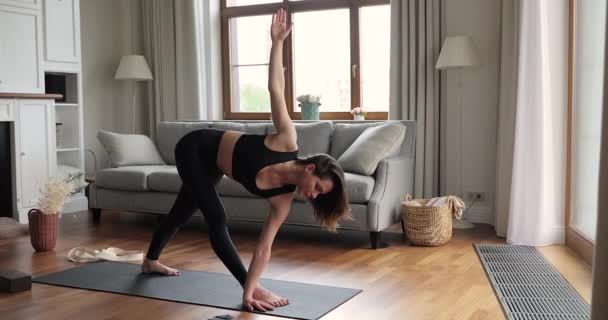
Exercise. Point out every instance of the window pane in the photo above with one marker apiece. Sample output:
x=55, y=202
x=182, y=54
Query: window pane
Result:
x=250, y=45
x=374, y=25
x=321, y=46
x=250, y=41
x=234, y=3
x=249, y=89
x=589, y=31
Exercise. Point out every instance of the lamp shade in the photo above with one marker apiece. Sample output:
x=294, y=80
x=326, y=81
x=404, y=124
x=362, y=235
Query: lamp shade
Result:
x=133, y=67
x=457, y=51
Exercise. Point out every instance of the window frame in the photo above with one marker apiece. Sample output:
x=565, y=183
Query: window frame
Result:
x=291, y=7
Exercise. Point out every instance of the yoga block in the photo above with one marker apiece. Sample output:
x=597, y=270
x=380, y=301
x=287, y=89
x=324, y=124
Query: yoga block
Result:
x=15, y=281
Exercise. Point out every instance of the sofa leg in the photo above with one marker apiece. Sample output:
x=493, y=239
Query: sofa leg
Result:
x=375, y=239
x=96, y=215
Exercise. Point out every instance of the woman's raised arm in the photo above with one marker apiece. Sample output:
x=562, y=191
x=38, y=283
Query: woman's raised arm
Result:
x=276, y=78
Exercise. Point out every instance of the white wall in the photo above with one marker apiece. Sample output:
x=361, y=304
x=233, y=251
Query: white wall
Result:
x=106, y=36
x=479, y=19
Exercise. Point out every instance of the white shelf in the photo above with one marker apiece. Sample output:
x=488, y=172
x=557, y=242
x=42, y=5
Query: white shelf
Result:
x=67, y=149
x=62, y=104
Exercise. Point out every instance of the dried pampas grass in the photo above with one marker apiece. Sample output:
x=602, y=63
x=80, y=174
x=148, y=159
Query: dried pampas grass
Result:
x=53, y=195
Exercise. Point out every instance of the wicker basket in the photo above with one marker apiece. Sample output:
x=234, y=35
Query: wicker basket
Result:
x=427, y=226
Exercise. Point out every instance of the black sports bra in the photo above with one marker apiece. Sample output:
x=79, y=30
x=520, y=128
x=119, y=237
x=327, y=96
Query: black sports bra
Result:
x=250, y=155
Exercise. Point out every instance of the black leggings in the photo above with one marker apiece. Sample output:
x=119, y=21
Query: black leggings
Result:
x=195, y=159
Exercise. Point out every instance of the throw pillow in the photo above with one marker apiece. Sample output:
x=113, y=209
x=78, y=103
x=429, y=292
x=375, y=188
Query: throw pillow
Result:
x=129, y=149
x=373, y=145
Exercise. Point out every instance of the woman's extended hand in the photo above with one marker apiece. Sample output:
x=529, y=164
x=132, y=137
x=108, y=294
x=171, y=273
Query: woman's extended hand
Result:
x=279, y=28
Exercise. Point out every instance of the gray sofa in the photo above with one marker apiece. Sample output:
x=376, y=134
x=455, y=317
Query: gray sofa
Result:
x=374, y=199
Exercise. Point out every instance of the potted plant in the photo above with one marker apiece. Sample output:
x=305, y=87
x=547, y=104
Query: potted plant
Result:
x=310, y=106
x=44, y=219
x=358, y=113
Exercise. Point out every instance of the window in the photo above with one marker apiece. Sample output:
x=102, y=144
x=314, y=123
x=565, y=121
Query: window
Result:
x=249, y=52
x=338, y=49
x=375, y=57
x=588, y=74
x=320, y=45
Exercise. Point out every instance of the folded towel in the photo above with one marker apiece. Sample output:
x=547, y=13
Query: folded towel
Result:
x=411, y=203
x=455, y=204
x=84, y=254
x=437, y=202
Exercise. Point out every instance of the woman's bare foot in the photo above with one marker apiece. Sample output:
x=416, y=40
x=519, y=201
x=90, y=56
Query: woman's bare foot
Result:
x=260, y=293
x=153, y=266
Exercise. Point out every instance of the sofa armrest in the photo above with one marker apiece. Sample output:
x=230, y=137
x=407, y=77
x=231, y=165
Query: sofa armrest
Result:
x=394, y=178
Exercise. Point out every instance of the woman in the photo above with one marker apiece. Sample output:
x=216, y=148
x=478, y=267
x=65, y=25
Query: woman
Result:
x=268, y=166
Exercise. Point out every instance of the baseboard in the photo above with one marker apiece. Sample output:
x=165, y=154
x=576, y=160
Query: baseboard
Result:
x=582, y=245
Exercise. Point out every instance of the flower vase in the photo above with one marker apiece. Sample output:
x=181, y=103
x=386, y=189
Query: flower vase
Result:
x=358, y=117
x=43, y=230
x=310, y=111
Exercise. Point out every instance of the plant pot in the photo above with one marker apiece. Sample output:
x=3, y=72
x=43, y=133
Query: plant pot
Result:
x=358, y=117
x=43, y=230
x=310, y=111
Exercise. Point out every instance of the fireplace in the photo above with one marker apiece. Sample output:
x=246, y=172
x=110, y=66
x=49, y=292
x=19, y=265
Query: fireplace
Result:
x=6, y=183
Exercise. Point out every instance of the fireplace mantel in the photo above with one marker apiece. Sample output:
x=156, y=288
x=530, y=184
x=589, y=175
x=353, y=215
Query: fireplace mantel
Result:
x=7, y=112
x=30, y=96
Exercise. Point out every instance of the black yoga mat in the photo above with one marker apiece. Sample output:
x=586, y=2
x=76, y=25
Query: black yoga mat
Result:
x=307, y=301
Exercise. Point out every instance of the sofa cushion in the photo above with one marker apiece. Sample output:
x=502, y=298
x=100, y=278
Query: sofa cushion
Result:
x=253, y=128
x=169, y=133
x=129, y=149
x=169, y=181
x=166, y=180
x=313, y=137
x=358, y=187
x=132, y=178
x=229, y=187
x=373, y=145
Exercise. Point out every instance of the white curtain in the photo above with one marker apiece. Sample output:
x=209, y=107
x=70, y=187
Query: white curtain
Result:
x=210, y=59
x=180, y=46
x=414, y=83
x=509, y=53
x=536, y=215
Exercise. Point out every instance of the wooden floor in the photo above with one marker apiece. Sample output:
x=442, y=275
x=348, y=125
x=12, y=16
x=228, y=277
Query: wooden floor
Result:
x=399, y=282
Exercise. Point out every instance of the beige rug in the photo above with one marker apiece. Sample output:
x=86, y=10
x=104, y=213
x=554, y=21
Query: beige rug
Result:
x=10, y=228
